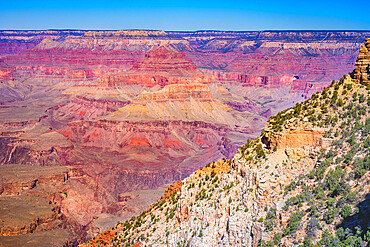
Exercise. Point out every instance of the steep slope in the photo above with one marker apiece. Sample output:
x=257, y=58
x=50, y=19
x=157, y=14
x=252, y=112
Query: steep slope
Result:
x=304, y=181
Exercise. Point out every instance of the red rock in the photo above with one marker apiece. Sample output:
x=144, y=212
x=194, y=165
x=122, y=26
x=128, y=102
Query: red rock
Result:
x=161, y=66
x=164, y=61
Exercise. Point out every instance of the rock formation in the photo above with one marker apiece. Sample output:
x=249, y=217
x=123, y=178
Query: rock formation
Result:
x=164, y=61
x=161, y=66
x=361, y=72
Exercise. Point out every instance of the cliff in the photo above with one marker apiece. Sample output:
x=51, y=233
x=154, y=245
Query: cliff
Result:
x=361, y=72
x=164, y=61
x=29, y=209
x=161, y=66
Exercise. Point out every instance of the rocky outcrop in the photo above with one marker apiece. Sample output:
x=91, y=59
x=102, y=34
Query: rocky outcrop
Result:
x=177, y=92
x=22, y=215
x=56, y=237
x=17, y=179
x=296, y=138
x=149, y=80
x=83, y=108
x=361, y=73
x=48, y=149
x=221, y=204
x=35, y=198
x=161, y=66
x=170, y=142
x=164, y=61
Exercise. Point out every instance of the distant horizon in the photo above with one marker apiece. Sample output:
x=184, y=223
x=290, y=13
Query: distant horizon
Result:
x=192, y=31
x=183, y=15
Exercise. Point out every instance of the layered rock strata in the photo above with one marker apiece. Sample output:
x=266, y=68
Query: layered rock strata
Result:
x=361, y=72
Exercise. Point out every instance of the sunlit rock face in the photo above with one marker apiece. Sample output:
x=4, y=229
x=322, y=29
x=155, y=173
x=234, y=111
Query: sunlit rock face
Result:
x=361, y=72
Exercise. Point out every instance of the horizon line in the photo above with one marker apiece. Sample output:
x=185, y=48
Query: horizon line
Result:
x=193, y=31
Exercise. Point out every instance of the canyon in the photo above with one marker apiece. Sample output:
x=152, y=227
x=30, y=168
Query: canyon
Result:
x=303, y=182
x=117, y=115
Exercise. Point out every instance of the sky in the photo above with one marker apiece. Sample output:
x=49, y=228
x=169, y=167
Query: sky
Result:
x=187, y=15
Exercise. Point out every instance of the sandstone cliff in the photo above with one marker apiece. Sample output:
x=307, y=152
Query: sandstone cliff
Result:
x=362, y=65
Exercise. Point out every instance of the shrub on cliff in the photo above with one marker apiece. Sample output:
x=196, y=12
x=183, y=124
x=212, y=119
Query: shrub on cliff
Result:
x=346, y=211
x=294, y=223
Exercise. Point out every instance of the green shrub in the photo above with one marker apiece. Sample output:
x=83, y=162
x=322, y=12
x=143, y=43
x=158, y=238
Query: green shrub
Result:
x=331, y=214
x=277, y=238
x=293, y=223
x=346, y=211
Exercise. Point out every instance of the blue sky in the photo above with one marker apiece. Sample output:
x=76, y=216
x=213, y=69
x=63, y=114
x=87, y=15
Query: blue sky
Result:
x=186, y=15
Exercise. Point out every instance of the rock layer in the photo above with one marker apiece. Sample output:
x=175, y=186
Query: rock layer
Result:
x=361, y=72
x=164, y=60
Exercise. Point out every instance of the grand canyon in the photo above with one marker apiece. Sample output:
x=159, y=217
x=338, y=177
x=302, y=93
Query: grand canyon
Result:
x=95, y=125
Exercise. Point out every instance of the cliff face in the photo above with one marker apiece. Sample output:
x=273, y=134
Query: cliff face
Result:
x=137, y=33
x=164, y=61
x=177, y=92
x=161, y=66
x=361, y=72
x=173, y=145
x=303, y=181
x=31, y=204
